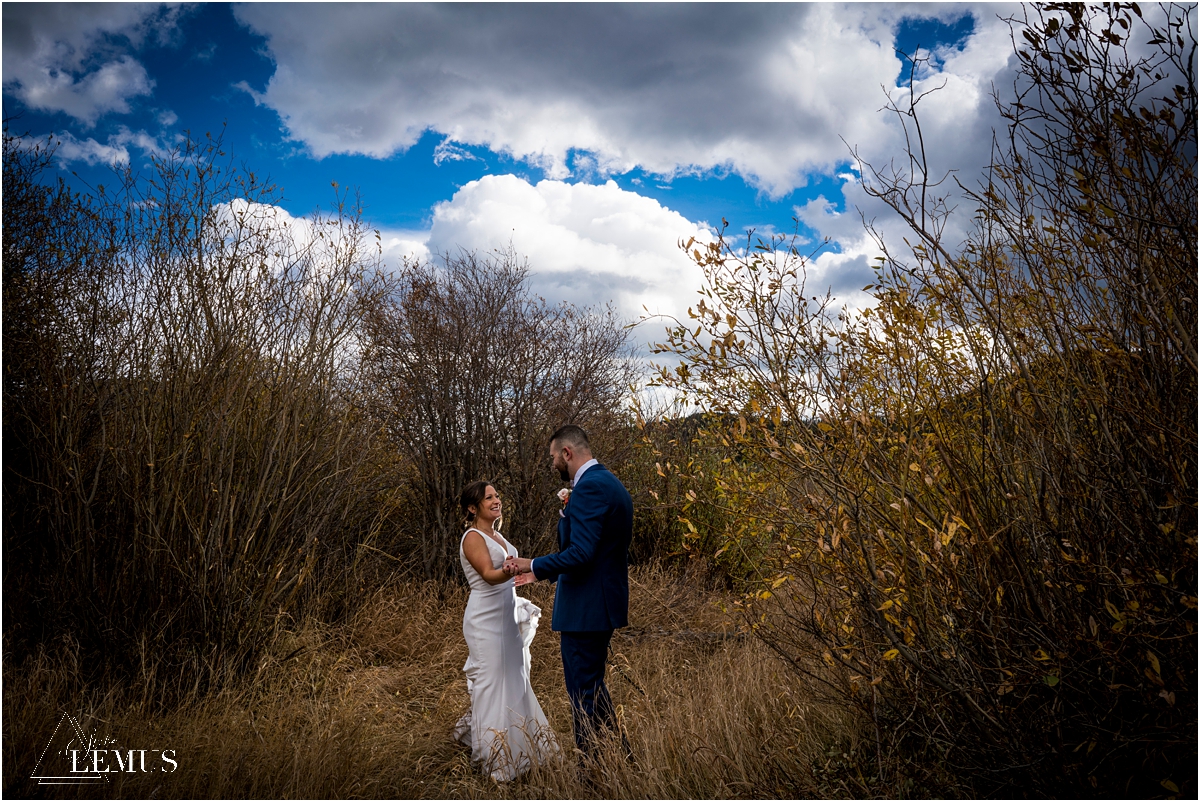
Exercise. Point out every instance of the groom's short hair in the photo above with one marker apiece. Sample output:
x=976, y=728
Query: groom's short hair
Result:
x=571, y=435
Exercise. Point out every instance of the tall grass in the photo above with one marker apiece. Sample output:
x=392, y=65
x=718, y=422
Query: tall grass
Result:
x=364, y=709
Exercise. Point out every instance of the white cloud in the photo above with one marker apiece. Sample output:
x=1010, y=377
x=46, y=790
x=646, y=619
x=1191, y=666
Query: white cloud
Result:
x=67, y=58
x=958, y=116
x=774, y=93
x=447, y=151
x=594, y=244
x=69, y=149
x=767, y=91
x=239, y=216
x=314, y=248
x=148, y=144
x=106, y=89
x=586, y=244
x=399, y=245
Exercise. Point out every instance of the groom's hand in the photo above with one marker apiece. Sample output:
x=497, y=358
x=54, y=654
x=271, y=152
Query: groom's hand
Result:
x=516, y=565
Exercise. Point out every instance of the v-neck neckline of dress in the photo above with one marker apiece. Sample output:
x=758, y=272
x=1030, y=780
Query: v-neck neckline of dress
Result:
x=503, y=545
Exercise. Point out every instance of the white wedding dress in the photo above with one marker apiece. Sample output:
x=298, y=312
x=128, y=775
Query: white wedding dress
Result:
x=505, y=727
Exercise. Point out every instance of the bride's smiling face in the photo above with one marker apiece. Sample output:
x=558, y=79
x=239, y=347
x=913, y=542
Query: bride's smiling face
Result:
x=488, y=509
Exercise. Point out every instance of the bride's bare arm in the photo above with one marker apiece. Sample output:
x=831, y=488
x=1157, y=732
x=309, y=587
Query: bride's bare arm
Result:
x=477, y=554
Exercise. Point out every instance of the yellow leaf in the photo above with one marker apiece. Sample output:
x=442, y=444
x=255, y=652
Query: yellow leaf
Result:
x=891, y=654
x=1162, y=580
x=912, y=466
x=1170, y=786
x=1154, y=663
x=1112, y=609
x=779, y=581
x=1040, y=655
x=887, y=605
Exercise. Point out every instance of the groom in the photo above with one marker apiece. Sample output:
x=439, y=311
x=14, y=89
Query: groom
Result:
x=592, y=571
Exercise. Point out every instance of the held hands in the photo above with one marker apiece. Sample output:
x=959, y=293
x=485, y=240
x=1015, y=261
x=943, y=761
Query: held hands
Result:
x=517, y=565
x=524, y=579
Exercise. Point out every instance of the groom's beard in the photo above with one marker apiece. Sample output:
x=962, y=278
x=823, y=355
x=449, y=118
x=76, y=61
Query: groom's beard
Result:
x=566, y=477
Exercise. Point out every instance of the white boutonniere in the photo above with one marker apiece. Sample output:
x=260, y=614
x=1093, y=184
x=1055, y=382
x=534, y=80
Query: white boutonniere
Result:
x=564, y=496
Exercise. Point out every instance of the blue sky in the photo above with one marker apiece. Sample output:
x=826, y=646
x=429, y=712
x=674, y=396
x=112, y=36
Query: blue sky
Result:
x=593, y=138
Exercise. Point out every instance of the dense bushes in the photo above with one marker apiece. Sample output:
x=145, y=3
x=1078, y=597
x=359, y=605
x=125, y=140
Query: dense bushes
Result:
x=982, y=491
x=183, y=454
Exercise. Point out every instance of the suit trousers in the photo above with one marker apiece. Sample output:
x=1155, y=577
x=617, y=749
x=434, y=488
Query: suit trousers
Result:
x=584, y=656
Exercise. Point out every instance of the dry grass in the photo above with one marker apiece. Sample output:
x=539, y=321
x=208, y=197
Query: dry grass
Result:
x=365, y=710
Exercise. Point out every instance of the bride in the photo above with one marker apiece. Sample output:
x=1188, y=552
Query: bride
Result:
x=505, y=727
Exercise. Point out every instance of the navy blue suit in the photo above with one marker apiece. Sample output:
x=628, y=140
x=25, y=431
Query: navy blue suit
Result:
x=592, y=597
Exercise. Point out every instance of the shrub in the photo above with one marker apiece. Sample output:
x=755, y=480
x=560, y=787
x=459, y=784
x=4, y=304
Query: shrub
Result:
x=470, y=374
x=981, y=492
x=185, y=458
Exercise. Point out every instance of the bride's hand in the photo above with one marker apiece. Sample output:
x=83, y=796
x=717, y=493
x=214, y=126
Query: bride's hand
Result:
x=524, y=579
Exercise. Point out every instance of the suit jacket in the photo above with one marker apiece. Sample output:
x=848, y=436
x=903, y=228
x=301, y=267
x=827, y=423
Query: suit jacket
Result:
x=592, y=563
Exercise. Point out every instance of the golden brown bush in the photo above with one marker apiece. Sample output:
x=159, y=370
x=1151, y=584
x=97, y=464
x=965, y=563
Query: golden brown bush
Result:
x=982, y=491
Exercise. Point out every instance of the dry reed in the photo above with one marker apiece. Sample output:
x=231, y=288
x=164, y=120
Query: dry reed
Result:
x=364, y=710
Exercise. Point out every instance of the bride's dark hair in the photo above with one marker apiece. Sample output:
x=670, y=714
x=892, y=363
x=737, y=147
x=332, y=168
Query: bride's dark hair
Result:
x=472, y=496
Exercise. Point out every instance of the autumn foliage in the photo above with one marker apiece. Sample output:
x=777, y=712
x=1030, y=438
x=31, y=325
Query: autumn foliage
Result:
x=977, y=498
